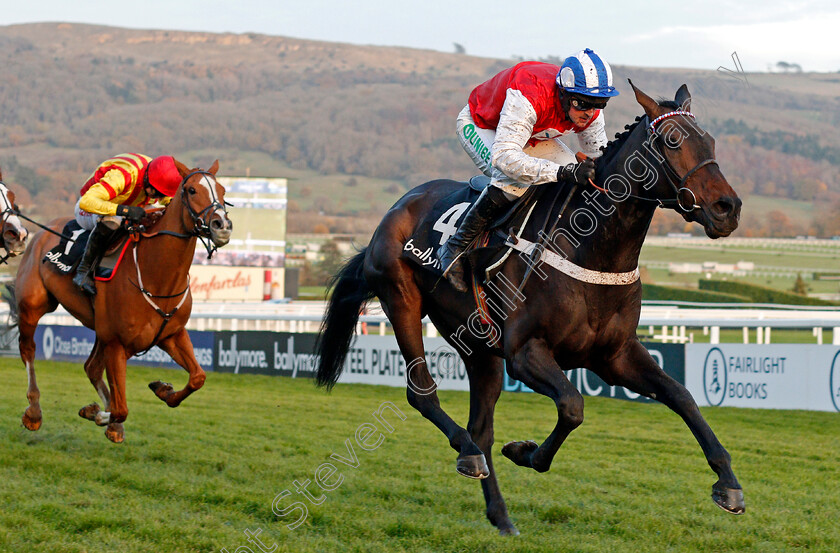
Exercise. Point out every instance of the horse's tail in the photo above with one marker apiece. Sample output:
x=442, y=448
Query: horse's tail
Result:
x=350, y=293
x=7, y=294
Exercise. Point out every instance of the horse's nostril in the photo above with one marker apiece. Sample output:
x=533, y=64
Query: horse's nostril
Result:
x=216, y=224
x=725, y=206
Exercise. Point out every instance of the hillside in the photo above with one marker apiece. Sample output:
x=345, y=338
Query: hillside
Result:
x=345, y=119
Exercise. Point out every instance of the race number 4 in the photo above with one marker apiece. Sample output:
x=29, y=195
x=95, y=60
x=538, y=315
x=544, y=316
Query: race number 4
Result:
x=445, y=224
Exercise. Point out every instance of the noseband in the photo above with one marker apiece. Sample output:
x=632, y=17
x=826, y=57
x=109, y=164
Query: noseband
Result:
x=678, y=184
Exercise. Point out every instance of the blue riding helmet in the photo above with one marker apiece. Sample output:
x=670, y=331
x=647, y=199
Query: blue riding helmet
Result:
x=585, y=73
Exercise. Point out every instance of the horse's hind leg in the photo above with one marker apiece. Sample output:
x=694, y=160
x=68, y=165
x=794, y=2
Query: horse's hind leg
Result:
x=635, y=369
x=115, y=358
x=485, y=375
x=179, y=347
x=95, y=368
x=402, y=306
x=535, y=366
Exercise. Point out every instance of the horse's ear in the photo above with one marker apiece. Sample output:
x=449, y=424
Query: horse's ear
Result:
x=683, y=98
x=651, y=107
x=183, y=169
x=1, y=175
x=214, y=168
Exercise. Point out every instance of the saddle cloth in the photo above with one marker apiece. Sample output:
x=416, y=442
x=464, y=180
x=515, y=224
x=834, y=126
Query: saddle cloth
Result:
x=442, y=222
x=64, y=257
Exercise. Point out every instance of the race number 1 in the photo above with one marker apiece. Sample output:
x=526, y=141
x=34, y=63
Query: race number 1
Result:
x=445, y=225
x=76, y=234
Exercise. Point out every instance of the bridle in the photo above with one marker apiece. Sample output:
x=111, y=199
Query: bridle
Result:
x=677, y=182
x=9, y=210
x=201, y=229
x=673, y=177
x=200, y=219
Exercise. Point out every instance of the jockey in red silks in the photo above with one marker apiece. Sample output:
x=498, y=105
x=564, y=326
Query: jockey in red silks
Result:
x=120, y=187
x=511, y=128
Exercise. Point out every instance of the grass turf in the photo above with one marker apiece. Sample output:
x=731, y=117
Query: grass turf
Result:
x=193, y=479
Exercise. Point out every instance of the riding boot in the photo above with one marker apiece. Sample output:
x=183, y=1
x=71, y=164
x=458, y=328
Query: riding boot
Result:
x=491, y=202
x=97, y=242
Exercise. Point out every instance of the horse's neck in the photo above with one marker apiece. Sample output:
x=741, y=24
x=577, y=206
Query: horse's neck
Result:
x=620, y=227
x=168, y=256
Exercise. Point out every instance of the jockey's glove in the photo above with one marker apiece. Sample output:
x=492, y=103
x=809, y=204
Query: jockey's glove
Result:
x=577, y=173
x=131, y=212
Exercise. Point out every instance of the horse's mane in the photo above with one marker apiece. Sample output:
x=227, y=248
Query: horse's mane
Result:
x=614, y=145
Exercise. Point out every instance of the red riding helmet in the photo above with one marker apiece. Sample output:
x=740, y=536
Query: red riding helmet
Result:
x=164, y=176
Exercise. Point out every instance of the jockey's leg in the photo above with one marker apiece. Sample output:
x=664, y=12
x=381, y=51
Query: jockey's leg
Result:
x=180, y=348
x=96, y=245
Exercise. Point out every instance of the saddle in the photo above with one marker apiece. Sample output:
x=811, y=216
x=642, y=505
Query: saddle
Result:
x=488, y=252
x=65, y=257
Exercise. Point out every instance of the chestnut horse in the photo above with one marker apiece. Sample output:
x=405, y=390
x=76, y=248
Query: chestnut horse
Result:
x=12, y=234
x=146, y=303
x=552, y=321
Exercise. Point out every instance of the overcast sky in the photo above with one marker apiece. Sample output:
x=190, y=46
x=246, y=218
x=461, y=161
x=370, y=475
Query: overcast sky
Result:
x=663, y=33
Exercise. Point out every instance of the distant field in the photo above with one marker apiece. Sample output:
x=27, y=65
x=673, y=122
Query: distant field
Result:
x=193, y=479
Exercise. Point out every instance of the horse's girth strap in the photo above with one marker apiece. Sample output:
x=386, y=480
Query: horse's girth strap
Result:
x=575, y=271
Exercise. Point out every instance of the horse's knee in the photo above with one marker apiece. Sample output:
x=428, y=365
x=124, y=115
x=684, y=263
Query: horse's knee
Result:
x=197, y=380
x=570, y=410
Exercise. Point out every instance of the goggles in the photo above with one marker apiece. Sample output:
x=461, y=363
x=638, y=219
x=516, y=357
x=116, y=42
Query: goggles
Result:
x=586, y=105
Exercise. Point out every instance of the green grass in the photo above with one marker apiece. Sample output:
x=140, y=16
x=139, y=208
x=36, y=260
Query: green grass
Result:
x=193, y=479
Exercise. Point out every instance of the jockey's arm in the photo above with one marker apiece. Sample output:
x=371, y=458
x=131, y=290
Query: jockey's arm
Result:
x=516, y=126
x=99, y=198
x=593, y=137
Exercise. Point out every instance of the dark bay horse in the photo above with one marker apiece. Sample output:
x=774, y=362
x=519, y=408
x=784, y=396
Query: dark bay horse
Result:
x=555, y=322
x=146, y=303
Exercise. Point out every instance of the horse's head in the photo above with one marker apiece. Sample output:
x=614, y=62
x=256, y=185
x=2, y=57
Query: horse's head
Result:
x=13, y=237
x=204, y=202
x=686, y=154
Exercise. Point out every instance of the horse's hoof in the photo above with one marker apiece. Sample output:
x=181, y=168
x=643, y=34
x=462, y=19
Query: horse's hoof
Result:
x=508, y=530
x=473, y=466
x=31, y=422
x=115, y=432
x=102, y=418
x=89, y=411
x=730, y=500
x=161, y=389
x=520, y=452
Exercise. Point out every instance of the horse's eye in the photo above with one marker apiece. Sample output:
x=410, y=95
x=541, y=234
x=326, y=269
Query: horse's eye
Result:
x=192, y=190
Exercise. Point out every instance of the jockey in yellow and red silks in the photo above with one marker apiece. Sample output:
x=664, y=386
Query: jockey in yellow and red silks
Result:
x=118, y=188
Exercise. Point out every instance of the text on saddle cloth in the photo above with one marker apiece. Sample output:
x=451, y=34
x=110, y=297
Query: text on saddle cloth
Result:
x=64, y=257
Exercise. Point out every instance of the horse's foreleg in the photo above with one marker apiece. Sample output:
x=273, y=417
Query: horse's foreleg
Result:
x=534, y=365
x=635, y=369
x=485, y=386
x=115, y=358
x=94, y=369
x=32, y=416
x=403, y=311
x=180, y=348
